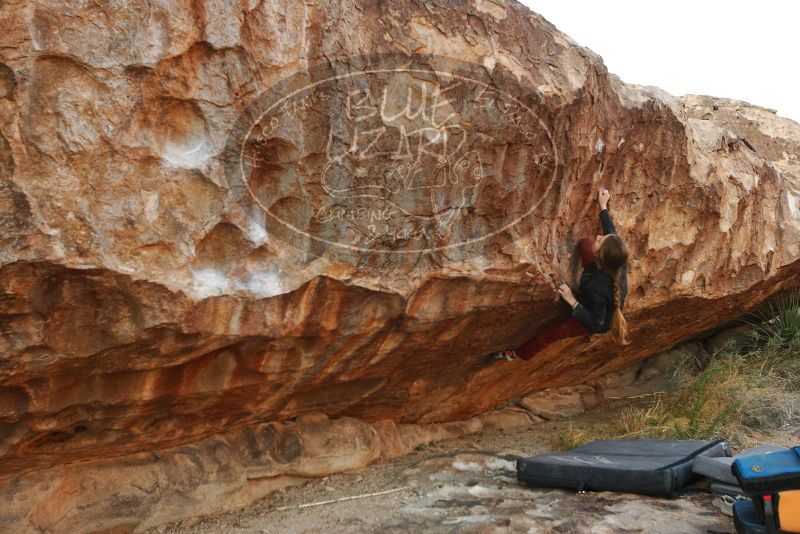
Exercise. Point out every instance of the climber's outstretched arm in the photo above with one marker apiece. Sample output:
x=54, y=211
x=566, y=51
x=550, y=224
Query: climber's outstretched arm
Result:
x=605, y=218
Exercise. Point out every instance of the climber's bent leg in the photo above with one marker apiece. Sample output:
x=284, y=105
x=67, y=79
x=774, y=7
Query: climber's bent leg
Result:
x=569, y=327
x=585, y=245
x=564, y=328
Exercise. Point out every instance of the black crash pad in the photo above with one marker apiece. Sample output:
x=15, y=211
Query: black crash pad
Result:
x=649, y=467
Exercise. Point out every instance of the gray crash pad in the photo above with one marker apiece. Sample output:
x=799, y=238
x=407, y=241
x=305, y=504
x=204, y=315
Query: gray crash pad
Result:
x=719, y=467
x=720, y=488
x=651, y=467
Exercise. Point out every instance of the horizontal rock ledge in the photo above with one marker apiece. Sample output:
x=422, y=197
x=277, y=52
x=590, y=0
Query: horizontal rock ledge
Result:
x=167, y=378
x=234, y=468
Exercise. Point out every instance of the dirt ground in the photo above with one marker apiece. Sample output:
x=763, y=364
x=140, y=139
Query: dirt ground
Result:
x=464, y=485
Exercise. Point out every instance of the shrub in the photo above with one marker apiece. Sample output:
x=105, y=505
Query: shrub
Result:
x=778, y=319
x=737, y=396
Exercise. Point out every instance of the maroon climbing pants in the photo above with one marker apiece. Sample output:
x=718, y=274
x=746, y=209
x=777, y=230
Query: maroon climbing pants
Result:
x=562, y=328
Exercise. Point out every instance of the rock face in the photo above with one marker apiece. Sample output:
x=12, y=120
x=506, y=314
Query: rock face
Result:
x=197, y=235
x=231, y=469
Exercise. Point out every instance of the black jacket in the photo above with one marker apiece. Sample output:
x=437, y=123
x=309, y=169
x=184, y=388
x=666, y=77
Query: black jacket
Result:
x=595, y=297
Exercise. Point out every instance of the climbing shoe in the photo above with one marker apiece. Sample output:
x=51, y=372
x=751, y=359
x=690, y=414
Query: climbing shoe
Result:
x=506, y=355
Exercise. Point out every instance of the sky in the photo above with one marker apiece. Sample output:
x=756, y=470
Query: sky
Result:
x=735, y=49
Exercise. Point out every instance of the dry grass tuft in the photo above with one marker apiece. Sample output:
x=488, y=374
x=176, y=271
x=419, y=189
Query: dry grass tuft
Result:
x=745, y=398
x=739, y=397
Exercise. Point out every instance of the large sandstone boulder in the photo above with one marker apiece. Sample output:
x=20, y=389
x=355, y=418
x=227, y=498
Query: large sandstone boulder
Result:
x=197, y=235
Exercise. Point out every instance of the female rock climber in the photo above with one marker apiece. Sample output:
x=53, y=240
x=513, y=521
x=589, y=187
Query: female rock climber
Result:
x=597, y=306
